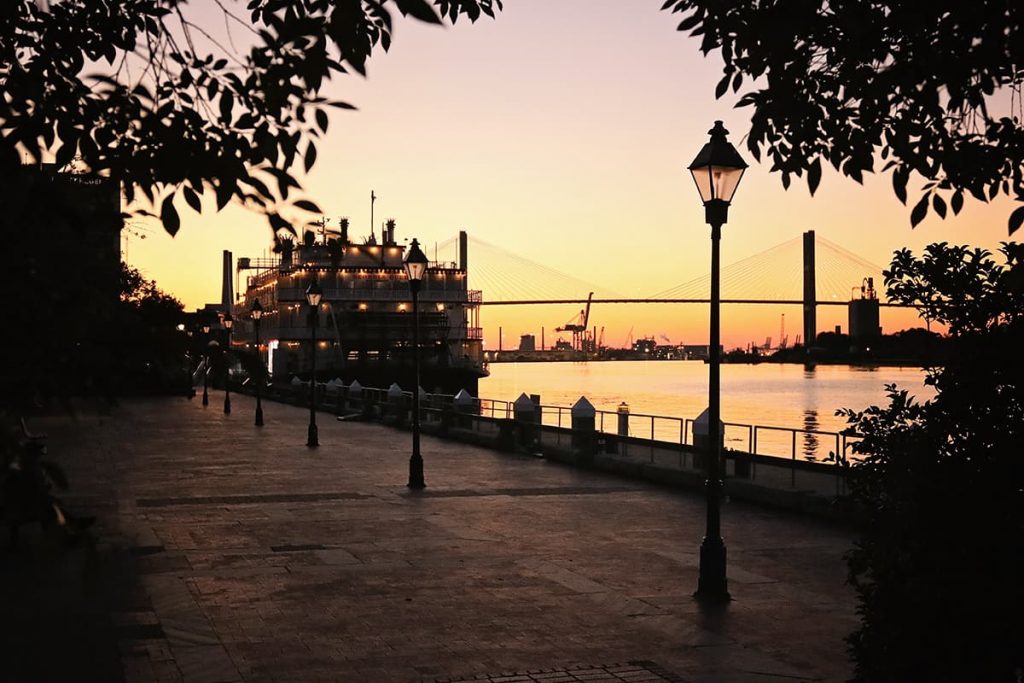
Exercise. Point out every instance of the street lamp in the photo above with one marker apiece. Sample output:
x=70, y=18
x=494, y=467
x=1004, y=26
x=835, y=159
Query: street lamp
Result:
x=257, y=312
x=313, y=296
x=717, y=171
x=228, y=322
x=415, y=268
x=206, y=362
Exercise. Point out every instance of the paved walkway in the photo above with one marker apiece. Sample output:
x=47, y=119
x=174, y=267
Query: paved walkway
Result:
x=231, y=553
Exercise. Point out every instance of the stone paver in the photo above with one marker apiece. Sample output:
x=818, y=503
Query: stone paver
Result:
x=256, y=559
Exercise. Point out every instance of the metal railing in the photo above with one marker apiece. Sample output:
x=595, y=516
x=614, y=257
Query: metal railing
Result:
x=657, y=441
x=796, y=443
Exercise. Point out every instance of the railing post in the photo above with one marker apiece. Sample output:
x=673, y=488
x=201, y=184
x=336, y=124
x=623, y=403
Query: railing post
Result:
x=622, y=428
x=652, y=438
x=792, y=467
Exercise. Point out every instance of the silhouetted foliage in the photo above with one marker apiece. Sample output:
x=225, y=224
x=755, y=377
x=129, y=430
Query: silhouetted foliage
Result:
x=940, y=556
x=27, y=483
x=911, y=82
x=77, y=322
x=137, y=90
x=150, y=348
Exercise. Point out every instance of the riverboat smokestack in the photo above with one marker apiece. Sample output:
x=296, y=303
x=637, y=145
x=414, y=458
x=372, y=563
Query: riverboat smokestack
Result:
x=463, y=250
x=227, y=294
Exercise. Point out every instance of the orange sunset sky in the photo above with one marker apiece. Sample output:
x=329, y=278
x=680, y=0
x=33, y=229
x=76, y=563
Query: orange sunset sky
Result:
x=560, y=131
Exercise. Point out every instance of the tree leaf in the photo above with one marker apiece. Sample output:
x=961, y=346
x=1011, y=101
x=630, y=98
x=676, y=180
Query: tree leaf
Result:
x=899, y=184
x=307, y=205
x=919, y=212
x=193, y=199
x=939, y=204
x=227, y=101
x=1016, y=219
x=310, y=157
x=722, y=86
x=814, y=175
x=957, y=202
x=169, y=216
x=419, y=9
x=321, y=119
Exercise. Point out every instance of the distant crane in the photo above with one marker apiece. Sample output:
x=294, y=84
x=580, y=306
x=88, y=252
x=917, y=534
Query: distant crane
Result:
x=783, y=339
x=578, y=327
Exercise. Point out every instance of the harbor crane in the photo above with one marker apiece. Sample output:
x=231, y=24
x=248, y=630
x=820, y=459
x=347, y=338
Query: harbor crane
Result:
x=578, y=327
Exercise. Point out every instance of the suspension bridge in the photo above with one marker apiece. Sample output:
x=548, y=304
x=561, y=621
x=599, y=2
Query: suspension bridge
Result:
x=807, y=271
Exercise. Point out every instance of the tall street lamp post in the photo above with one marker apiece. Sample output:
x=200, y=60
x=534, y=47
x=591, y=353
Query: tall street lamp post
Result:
x=717, y=170
x=228, y=322
x=313, y=296
x=257, y=312
x=206, y=362
x=415, y=268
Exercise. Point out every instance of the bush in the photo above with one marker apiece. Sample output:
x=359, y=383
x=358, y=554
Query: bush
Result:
x=939, y=561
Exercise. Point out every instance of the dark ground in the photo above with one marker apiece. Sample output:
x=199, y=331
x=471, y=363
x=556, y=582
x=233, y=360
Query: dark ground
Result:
x=230, y=553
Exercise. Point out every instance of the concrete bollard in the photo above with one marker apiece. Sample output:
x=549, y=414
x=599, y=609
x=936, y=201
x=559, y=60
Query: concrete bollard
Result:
x=584, y=436
x=463, y=405
x=356, y=398
x=342, y=399
x=394, y=408
x=701, y=438
x=525, y=412
x=331, y=393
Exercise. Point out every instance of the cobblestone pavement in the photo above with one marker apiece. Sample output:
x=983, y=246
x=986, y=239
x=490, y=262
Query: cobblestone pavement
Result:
x=246, y=556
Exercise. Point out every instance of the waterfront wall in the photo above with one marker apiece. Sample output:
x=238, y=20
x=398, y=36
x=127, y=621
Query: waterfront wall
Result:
x=812, y=488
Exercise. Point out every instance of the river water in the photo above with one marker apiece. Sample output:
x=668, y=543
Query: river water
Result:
x=770, y=394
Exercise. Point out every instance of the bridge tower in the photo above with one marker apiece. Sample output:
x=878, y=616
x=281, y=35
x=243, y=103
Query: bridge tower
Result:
x=810, y=295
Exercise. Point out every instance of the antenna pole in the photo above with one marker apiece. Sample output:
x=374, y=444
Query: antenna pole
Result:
x=373, y=198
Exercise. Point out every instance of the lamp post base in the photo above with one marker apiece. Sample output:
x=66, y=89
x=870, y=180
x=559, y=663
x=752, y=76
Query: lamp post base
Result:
x=259, y=416
x=312, y=439
x=227, y=405
x=712, y=584
x=206, y=397
x=416, y=472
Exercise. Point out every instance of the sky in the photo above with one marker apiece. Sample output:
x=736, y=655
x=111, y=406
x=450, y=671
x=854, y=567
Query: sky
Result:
x=561, y=132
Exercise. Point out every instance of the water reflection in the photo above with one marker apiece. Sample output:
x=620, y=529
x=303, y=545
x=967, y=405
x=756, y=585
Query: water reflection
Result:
x=765, y=394
x=811, y=442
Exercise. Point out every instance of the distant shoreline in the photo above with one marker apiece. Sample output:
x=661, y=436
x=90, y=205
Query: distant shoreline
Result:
x=879, y=362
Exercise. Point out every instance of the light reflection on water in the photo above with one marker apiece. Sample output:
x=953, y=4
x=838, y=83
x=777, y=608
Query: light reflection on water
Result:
x=771, y=394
